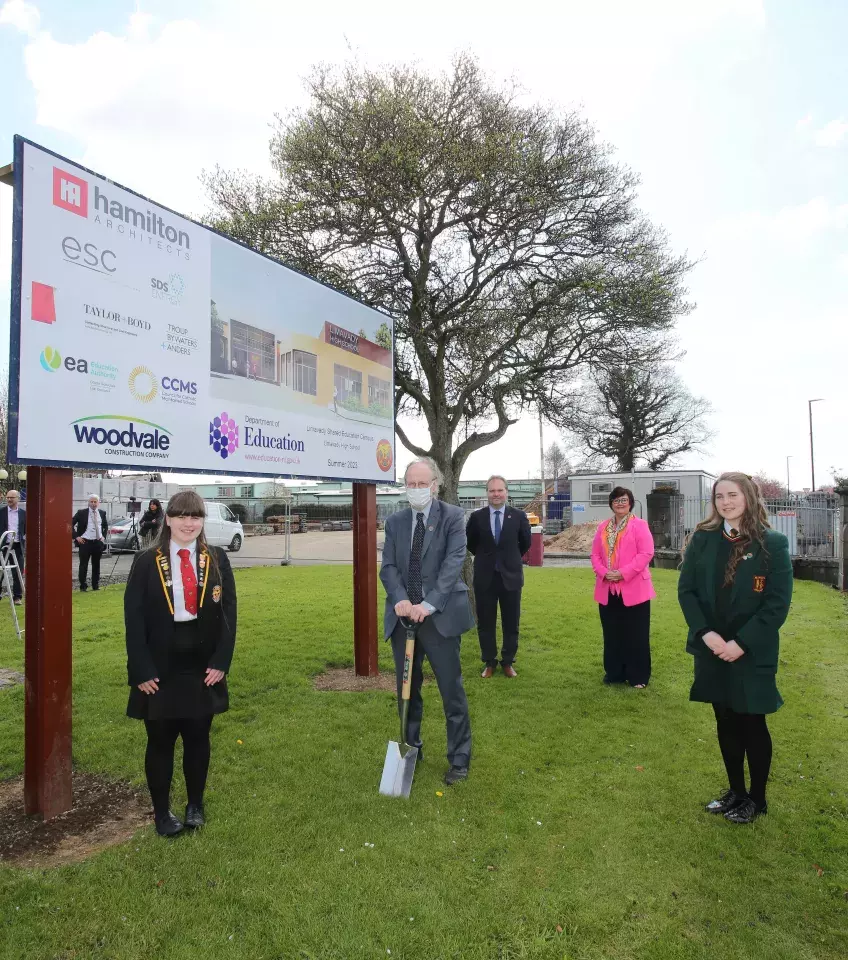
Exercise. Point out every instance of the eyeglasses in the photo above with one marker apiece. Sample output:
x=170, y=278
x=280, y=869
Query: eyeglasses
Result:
x=420, y=485
x=622, y=500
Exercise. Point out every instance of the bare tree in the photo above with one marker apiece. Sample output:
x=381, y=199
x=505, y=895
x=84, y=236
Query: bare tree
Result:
x=500, y=238
x=638, y=414
x=556, y=462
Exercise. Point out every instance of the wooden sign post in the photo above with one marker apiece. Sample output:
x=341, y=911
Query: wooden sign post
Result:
x=365, y=579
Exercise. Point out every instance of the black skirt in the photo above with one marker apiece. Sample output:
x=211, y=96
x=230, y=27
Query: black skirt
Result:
x=183, y=694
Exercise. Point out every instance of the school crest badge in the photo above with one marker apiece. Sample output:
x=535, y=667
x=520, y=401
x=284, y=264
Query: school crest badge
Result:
x=216, y=593
x=759, y=584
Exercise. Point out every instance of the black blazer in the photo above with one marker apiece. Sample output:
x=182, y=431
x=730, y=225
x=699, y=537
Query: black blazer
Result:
x=4, y=521
x=513, y=544
x=80, y=524
x=149, y=613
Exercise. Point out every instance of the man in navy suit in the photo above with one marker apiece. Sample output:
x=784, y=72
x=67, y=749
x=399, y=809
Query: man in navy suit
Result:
x=498, y=536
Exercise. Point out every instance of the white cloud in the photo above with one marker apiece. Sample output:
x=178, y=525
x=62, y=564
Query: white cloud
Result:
x=20, y=14
x=831, y=134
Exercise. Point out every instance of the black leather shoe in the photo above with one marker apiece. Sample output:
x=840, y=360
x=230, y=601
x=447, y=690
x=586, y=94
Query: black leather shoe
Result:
x=194, y=816
x=168, y=825
x=727, y=801
x=746, y=812
x=455, y=774
x=83, y=588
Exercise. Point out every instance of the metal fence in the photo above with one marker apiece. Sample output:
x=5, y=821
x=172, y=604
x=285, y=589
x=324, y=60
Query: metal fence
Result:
x=811, y=524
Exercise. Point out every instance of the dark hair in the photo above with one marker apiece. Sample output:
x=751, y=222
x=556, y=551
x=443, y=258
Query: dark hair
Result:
x=186, y=503
x=152, y=501
x=622, y=492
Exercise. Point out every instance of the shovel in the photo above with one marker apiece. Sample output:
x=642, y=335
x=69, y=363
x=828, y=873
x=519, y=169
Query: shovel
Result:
x=399, y=766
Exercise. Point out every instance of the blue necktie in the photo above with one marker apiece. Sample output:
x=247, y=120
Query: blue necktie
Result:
x=497, y=526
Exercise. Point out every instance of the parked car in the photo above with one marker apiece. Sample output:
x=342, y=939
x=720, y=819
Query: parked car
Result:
x=122, y=537
x=223, y=528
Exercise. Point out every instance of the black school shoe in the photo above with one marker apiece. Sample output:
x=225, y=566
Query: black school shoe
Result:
x=726, y=802
x=194, y=818
x=746, y=812
x=168, y=825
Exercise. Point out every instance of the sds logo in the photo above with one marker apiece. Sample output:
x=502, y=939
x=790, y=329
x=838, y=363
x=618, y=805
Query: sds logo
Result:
x=171, y=289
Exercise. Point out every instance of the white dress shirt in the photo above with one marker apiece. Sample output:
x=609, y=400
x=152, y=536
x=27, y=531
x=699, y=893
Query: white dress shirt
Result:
x=13, y=523
x=492, y=512
x=181, y=615
x=426, y=511
x=93, y=531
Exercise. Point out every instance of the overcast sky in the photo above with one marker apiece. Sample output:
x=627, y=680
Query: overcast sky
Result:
x=734, y=112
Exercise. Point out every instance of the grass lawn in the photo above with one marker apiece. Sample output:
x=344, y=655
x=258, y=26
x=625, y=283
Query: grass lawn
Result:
x=580, y=833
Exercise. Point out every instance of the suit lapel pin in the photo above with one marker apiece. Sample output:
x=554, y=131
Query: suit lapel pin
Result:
x=431, y=528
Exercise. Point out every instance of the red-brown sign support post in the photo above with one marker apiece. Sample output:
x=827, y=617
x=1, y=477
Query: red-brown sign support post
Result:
x=47, y=639
x=365, y=579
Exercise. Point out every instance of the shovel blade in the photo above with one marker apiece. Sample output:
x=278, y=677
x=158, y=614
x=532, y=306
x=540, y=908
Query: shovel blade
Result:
x=398, y=770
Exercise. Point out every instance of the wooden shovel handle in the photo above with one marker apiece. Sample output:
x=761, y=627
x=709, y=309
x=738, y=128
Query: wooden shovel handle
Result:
x=407, y=665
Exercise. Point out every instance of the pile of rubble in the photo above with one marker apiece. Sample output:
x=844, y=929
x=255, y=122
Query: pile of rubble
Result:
x=576, y=539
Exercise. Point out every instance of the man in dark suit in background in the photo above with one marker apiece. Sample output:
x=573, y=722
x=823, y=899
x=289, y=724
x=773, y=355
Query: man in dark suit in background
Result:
x=13, y=517
x=498, y=536
x=89, y=531
x=423, y=554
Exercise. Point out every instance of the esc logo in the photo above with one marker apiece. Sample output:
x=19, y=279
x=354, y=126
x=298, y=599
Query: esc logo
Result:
x=384, y=455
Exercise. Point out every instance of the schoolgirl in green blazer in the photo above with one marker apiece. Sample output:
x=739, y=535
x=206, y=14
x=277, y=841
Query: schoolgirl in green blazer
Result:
x=735, y=590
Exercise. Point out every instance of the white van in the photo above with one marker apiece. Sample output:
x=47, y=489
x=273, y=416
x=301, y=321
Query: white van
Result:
x=223, y=528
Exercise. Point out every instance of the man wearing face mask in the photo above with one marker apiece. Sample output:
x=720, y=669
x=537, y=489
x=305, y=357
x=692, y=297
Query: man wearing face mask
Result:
x=423, y=554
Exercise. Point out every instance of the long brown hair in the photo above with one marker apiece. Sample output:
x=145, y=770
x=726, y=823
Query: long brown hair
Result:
x=752, y=524
x=186, y=503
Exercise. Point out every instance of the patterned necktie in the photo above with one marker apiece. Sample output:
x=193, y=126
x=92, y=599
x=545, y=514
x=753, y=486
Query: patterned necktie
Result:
x=189, y=582
x=415, y=587
x=497, y=526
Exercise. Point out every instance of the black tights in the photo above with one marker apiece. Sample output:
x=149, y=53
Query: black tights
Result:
x=159, y=758
x=741, y=735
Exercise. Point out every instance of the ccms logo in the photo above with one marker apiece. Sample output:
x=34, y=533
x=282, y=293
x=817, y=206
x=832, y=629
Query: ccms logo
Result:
x=50, y=359
x=176, y=385
x=171, y=289
x=70, y=192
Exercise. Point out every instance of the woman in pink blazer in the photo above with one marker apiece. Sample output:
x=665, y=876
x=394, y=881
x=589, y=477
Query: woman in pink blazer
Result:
x=621, y=552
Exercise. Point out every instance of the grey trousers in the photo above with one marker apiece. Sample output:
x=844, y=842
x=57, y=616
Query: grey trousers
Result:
x=443, y=654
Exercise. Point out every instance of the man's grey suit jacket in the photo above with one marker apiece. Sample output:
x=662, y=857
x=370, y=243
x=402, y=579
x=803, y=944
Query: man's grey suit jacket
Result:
x=442, y=557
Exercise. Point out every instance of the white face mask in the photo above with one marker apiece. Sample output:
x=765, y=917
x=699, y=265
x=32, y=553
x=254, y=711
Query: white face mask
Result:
x=418, y=497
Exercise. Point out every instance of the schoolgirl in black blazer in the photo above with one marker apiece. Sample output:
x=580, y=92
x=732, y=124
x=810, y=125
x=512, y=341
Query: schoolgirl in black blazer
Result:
x=180, y=617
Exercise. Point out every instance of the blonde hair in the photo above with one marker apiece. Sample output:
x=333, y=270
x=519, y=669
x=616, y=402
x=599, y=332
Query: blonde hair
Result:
x=752, y=524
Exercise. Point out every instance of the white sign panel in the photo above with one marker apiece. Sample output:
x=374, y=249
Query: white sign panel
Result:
x=142, y=339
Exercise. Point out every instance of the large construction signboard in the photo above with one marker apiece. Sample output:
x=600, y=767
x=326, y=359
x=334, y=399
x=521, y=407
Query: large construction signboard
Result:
x=142, y=339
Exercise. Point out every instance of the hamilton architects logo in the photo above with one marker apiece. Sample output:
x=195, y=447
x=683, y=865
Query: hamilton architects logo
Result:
x=131, y=436
x=71, y=193
x=223, y=435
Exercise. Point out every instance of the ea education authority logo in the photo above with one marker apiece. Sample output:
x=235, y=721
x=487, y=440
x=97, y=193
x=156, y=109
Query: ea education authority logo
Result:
x=223, y=435
x=50, y=359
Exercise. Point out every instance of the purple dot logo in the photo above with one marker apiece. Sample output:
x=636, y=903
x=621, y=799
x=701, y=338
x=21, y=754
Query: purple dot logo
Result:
x=223, y=435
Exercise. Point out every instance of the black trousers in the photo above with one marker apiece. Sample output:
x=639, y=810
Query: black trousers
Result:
x=443, y=654
x=488, y=599
x=93, y=550
x=742, y=735
x=159, y=758
x=627, y=641
x=17, y=592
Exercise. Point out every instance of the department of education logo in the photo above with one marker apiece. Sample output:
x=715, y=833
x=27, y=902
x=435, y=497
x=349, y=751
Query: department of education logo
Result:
x=50, y=359
x=223, y=435
x=384, y=455
x=143, y=384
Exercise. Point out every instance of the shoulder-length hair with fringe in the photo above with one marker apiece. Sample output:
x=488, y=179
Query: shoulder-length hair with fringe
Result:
x=752, y=524
x=186, y=503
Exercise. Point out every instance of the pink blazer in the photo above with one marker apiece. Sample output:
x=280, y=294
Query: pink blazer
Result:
x=635, y=549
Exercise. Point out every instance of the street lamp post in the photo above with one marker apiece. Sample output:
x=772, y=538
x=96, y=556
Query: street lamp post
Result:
x=812, y=458
x=788, y=493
